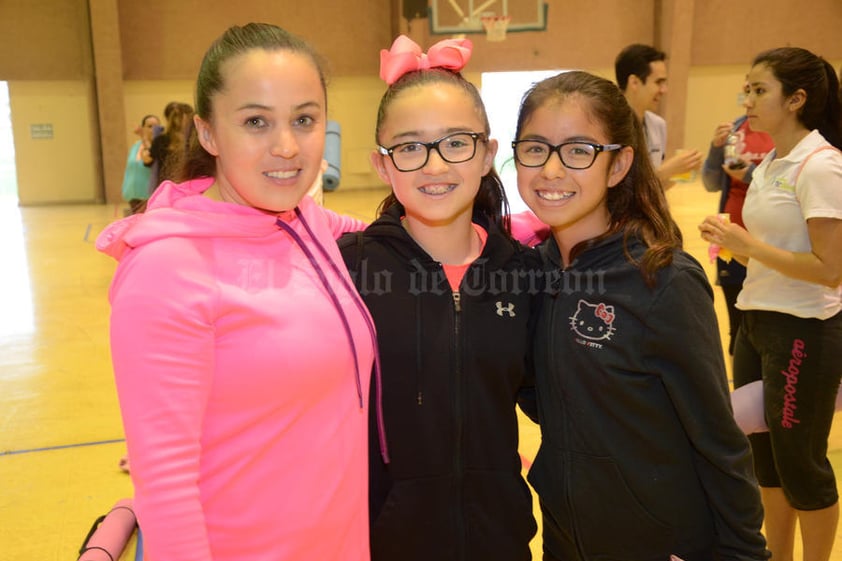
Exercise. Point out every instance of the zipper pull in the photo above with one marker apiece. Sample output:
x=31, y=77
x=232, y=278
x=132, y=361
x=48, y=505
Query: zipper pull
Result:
x=457, y=301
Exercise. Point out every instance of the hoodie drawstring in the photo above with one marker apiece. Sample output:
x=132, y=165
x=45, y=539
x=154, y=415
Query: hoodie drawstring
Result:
x=381, y=426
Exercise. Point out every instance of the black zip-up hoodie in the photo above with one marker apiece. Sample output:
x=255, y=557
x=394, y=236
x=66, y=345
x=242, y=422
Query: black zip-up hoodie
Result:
x=640, y=455
x=454, y=365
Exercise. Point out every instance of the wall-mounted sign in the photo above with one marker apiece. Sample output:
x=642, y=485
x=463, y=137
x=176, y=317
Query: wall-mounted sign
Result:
x=41, y=131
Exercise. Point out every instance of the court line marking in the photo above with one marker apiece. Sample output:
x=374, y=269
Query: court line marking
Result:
x=60, y=447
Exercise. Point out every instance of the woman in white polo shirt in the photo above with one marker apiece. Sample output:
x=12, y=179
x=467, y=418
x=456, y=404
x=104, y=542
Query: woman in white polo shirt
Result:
x=791, y=331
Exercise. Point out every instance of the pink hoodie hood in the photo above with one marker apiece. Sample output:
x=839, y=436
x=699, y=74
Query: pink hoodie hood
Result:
x=180, y=209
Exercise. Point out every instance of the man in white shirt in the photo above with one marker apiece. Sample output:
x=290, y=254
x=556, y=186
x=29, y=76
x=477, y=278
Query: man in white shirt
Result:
x=641, y=73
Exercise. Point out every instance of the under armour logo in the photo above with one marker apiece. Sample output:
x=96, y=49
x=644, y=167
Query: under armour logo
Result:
x=509, y=309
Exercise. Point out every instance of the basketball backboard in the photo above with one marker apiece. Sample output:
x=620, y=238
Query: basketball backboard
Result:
x=454, y=17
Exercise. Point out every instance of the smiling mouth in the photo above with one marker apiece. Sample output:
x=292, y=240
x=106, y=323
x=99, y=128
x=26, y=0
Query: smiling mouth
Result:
x=281, y=174
x=554, y=195
x=437, y=189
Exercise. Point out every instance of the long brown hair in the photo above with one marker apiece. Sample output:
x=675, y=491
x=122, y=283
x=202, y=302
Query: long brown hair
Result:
x=490, y=200
x=636, y=205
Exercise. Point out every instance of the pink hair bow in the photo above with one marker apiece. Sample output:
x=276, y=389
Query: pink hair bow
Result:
x=406, y=56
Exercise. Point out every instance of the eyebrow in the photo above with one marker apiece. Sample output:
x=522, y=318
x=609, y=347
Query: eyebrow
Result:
x=415, y=133
x=579, y=138
x=262, y=107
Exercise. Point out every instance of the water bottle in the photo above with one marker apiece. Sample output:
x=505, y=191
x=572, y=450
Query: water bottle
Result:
x=732, y=158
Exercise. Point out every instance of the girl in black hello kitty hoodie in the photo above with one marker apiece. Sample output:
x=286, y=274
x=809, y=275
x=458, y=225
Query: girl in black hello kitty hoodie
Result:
x=640, y=456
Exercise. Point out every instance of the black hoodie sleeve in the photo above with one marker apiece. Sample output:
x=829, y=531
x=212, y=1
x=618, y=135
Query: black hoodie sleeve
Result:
x=351, y=248
x=684, y=344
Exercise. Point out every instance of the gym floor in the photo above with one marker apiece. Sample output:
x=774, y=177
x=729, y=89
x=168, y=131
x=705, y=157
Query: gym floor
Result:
x=61, y=436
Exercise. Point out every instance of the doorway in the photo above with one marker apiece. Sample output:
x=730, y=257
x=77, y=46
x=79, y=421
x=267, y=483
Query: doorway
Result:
x=501, y=94
x=8, y=175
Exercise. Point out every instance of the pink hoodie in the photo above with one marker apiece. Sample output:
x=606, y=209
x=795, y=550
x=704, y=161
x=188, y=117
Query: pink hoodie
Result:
x=243, y=398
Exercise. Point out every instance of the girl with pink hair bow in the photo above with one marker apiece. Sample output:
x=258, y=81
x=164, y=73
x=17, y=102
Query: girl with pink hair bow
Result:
x=451, y=295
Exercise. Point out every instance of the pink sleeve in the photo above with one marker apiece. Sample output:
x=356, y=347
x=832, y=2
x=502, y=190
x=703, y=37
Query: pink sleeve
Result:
x=527, y=229
x=162, y=348
x=340, y=224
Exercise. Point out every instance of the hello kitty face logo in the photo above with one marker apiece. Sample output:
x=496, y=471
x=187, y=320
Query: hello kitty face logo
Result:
x=593, y=321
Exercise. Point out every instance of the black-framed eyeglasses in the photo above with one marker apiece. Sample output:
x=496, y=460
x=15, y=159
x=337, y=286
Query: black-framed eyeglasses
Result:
x=574, y=155
x=454, y=149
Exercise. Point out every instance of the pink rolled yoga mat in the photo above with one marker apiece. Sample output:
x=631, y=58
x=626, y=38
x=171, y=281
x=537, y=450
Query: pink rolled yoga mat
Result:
x=109, y=540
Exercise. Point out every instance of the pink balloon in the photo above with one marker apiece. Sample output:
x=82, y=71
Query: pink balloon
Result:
x=747, y=402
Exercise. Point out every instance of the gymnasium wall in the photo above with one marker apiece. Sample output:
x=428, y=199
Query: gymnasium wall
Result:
x=92, y=69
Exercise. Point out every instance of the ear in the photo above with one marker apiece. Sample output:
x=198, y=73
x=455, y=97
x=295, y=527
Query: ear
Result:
x=490, y=152
x=797, y=100
x=620, y=166
x=205, y=135
x=379, y=164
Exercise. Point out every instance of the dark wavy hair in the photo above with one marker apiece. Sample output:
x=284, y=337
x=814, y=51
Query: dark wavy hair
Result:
x=490, y=200
x=797, y=68
x=636, y=205
x=235, y=41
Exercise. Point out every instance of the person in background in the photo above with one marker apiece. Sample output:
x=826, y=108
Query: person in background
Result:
x=732, y=179
x=453, y=323
x=168, y=148
x=136, y=177
x=790, y=335
x=242, y=352
x=641, y=72
x=640, y=456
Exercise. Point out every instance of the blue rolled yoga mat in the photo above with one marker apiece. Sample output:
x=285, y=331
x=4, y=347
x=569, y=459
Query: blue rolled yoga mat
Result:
x=333, y=141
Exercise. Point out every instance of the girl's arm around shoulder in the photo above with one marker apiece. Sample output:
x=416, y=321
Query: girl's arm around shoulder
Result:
x=683, y=346
x=340, y=224
x=533, y=282
x=351, y=249
x=528, y=229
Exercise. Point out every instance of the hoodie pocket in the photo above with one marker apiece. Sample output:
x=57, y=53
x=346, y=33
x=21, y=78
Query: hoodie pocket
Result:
x=600, y=493
x=498, y=512
x=416, y=521
x=594, y=502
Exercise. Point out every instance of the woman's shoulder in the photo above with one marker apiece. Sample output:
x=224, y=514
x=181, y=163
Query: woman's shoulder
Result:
x=172, y=255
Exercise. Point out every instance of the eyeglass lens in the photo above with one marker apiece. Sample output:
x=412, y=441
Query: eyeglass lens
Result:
x=454, y=149
x=574, y=155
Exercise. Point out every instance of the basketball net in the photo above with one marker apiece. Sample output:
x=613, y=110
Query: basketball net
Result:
x=495, y=27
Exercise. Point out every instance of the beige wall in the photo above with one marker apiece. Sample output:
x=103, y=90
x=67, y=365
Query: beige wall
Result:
x=714, y=97
x=153, y=56
x=64, y=168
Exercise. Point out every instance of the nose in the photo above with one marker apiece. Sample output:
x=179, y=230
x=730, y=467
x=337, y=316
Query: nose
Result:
x=553, y=167
x=285, y=144
x=435, y=163
x=747, y=101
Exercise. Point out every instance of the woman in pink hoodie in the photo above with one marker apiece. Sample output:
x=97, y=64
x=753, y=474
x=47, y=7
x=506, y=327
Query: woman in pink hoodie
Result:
x=241, y=350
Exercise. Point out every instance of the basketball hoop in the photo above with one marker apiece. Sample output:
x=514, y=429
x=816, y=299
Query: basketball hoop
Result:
x=495, y=27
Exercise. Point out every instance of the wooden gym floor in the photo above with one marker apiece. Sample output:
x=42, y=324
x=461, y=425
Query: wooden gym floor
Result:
x=60, y=429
